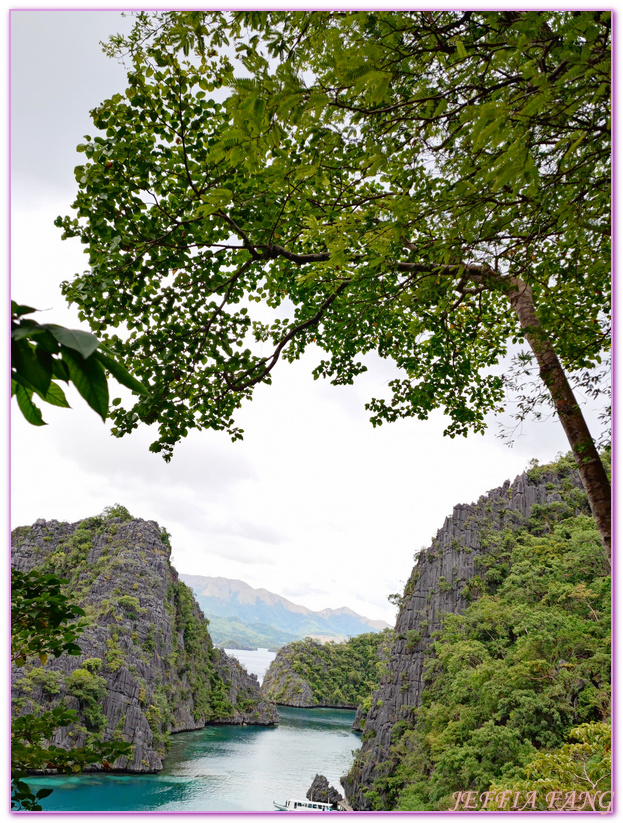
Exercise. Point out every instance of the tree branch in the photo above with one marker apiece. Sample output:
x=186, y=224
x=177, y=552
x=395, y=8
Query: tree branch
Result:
x=236, y=385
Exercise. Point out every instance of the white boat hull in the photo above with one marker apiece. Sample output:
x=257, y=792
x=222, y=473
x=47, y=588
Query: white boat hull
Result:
x=302, y=806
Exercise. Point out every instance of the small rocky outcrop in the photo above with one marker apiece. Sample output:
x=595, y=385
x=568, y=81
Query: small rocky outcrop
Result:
x=321, y=792
x=309, y=674
x=446, y=577
x=147, y=666
x=283, y=685
x=249, y=706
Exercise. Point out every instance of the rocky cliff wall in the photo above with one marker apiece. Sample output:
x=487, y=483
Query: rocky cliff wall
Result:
x=285, y=686
x=148, y=667
x=447, y=575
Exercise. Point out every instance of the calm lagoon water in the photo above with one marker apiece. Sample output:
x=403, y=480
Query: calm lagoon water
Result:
x=222, y=768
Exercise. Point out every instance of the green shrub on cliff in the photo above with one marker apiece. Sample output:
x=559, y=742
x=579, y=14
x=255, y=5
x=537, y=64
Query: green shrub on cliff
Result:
x=512, y=676
x=94, y=551
x=195, y=658
x=90, y=689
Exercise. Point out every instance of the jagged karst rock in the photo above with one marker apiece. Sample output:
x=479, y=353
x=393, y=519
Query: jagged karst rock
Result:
x=442, y=582
x=244, y=689
x=321, y=792
x=146, y=655
x=287, y=687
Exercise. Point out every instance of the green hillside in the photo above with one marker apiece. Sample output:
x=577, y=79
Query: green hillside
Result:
x=242, y=616
x=526, y=664
x=329, y=674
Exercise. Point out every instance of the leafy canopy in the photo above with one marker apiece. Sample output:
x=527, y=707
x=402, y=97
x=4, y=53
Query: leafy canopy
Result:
x=581, y=769
x=376, y=181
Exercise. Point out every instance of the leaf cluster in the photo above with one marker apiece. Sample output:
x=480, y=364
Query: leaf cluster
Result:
x=43, y=619
x=31, y=751
x=43, y=353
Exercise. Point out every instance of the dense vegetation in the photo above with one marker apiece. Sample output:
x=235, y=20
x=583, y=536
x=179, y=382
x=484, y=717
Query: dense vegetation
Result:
x=115, y=584
x=517, y=679
x=338, y=674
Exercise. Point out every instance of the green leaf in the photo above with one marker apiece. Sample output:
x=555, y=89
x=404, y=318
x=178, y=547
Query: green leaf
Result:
x=55, y=396
x=27, y=407
x=60, y=370
x=18, y=311
x=87, y=374
x=26, y=328
x=29, y=367
x=81, y=341
x=214, y=200
x=120, y=373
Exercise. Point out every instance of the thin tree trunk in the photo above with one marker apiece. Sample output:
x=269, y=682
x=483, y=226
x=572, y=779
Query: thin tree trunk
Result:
x=592, y=472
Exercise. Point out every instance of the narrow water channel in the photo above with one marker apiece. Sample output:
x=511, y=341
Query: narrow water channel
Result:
x=222, y=768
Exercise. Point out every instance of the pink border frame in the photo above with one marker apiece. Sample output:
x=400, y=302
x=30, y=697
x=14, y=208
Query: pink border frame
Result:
x=320, y=6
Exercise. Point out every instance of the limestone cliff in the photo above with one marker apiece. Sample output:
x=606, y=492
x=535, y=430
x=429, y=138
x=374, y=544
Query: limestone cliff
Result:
x=148, y=667
x=447, y=575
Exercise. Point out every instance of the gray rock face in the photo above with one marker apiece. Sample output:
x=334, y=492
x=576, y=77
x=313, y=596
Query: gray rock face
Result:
x=250, y=708
x=146, y=649
x=283, y=685
x=321, y=792
x=439, y=584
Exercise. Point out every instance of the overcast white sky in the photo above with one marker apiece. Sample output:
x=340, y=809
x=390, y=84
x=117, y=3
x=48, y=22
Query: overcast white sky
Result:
x=314, y=504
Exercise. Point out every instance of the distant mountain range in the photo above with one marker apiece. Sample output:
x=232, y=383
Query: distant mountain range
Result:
x=244, y=617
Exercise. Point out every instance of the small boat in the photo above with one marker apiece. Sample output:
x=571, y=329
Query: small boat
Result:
x=302, y=806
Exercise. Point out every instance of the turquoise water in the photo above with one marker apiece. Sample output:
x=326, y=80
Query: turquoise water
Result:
x=222, y=768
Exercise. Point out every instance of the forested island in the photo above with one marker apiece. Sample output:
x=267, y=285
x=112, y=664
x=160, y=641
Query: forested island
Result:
x=498, y=676
x=339, y=675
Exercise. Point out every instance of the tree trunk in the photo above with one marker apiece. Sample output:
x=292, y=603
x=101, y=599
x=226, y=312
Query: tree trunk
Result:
x=592, y=472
